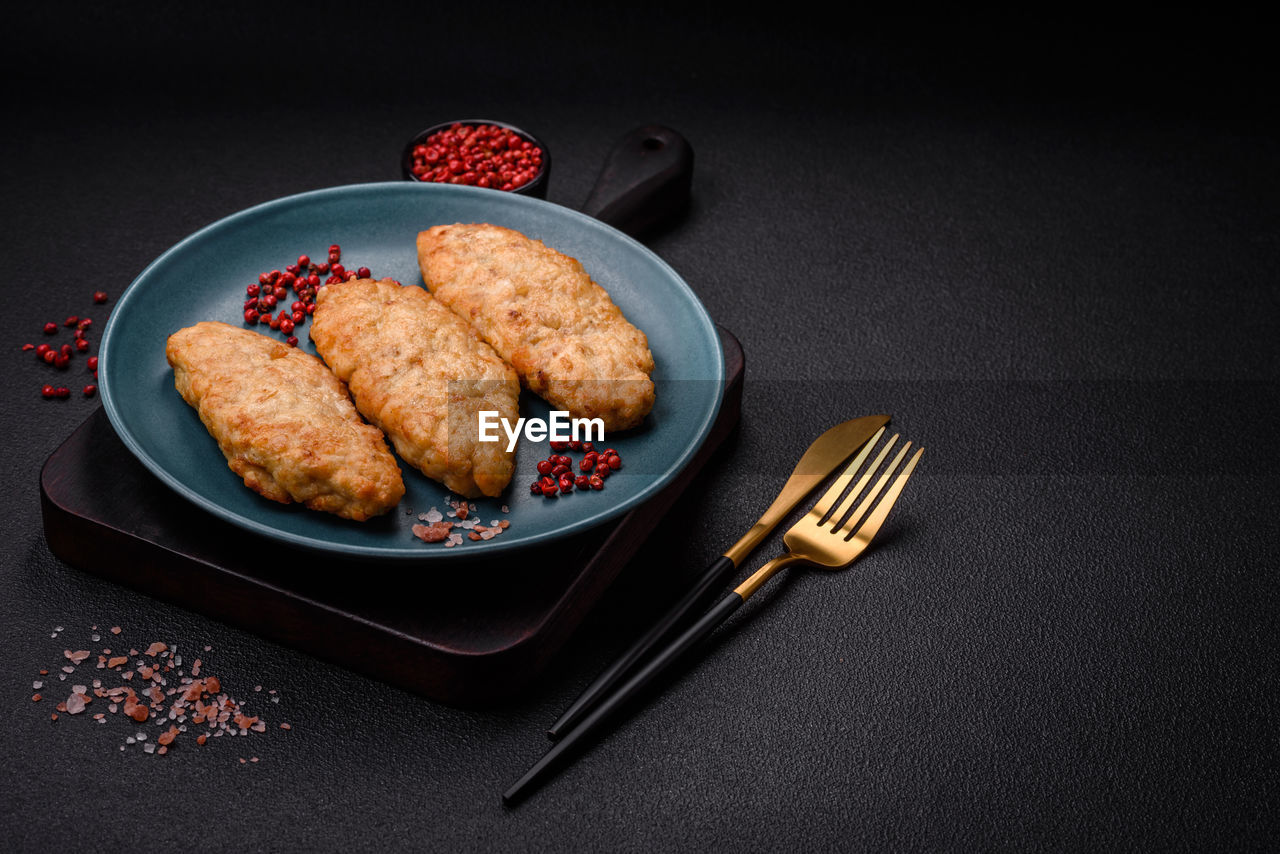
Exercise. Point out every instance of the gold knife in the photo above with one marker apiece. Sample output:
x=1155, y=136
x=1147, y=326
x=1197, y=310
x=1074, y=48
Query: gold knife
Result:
x=825, y=455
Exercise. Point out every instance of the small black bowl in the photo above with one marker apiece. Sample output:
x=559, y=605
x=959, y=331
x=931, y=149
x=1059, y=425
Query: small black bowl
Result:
x=536, y=188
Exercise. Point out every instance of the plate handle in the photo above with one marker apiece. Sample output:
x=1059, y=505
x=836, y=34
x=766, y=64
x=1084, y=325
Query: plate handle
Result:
x=645, y=180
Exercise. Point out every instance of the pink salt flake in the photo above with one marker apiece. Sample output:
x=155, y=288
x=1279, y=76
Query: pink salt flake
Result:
x=434, y=533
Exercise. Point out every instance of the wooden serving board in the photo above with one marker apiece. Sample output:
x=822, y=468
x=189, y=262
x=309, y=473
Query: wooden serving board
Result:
x=461, y=637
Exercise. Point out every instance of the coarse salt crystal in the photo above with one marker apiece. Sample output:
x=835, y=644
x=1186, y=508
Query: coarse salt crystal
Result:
x=37, y=684
x=149, y=748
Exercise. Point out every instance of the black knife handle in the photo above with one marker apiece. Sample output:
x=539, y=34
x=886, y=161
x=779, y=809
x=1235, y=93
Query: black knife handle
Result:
x=646, y=179
x=630, y=689
x=698, y=597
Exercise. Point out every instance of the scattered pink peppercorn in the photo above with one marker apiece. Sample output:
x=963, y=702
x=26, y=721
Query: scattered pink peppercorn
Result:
x=303, y=278
x=557, y=469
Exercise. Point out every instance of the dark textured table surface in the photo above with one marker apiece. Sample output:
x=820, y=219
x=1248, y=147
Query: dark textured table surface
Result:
x=1050, y=251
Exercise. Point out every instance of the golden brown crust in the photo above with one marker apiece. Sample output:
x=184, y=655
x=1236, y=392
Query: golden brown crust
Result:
x=541, y=312
x=422, y=375
x=283, y=421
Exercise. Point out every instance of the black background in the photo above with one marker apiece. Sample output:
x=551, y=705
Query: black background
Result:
x=1048, y=247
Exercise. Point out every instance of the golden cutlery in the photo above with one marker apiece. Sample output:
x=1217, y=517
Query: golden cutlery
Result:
x=822, y=457
x=830, y=536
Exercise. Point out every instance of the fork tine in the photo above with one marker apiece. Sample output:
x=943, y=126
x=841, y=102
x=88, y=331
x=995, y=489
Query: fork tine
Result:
x=830, y=496
x=856, y=516
x=836, y=517
x=872, y=526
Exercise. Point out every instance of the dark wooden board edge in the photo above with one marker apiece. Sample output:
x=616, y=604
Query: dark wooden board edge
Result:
x=222, y=578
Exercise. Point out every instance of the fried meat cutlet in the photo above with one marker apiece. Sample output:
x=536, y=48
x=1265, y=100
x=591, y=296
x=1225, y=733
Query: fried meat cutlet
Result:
x=541, y=312
x=284, y=421
x=421, y=374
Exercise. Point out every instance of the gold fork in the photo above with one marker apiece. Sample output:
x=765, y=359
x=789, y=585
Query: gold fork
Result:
x=826, y=537
x=830, y=536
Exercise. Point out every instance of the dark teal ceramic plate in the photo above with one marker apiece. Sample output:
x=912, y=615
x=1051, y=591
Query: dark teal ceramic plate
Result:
x=204, y=278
